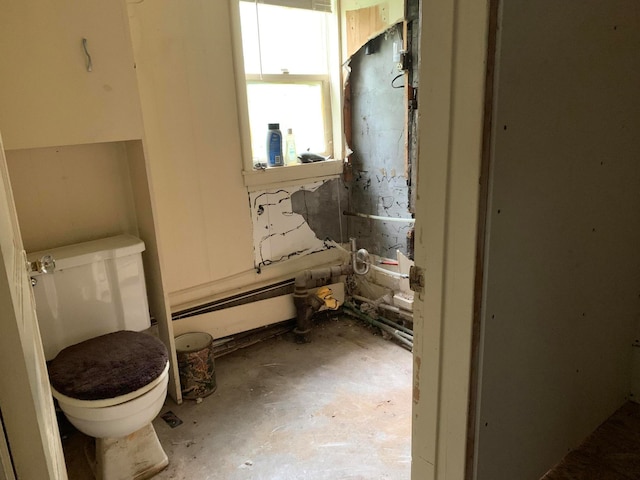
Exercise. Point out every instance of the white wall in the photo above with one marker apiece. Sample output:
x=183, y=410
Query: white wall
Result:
x=562, y=276
x=187, y=88
x=72, y=194
x=47, y=95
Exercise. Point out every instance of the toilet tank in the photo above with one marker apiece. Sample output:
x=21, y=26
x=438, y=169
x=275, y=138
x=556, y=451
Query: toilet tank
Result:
x=97, y=287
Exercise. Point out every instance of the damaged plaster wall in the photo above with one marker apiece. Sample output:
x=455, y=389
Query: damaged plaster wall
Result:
x=297, y=220
x=379, y=186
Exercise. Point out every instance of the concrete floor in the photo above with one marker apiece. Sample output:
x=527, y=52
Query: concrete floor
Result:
x=337, y=408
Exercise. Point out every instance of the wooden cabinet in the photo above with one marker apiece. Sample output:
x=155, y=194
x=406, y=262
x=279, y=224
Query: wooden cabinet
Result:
x=47, y=96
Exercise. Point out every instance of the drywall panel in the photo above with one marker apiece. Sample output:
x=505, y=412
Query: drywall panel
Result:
x=187, y=89
x=71, y=194
x=562, y=278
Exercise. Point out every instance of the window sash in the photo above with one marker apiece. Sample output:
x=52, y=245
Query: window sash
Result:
x=280, y=176
x=325, y=83
x=318, y=5
x=268, y=46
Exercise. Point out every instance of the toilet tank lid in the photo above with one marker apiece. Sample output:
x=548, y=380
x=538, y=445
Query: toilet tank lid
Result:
x=88, y=252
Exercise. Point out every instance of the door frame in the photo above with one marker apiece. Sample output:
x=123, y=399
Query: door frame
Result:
x=451, y=103
x=7, y=471
x=29, y=418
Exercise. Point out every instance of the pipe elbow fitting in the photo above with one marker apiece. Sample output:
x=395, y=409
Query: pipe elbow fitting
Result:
x=361, y=261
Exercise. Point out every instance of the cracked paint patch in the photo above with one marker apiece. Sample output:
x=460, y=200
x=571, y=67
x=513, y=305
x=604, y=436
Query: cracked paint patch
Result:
x=278, y=232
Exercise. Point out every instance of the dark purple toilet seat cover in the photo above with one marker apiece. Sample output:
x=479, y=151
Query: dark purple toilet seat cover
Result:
x=108, y=366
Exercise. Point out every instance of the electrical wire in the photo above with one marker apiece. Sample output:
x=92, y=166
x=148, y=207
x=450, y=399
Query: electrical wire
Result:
x=394, y=79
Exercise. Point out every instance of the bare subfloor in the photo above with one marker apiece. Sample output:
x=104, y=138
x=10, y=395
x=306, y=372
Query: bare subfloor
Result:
x=337, y=408
x=611, y=452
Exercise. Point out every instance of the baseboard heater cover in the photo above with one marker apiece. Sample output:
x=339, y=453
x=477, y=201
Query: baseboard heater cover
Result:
x=274, y=290
x=252, y=312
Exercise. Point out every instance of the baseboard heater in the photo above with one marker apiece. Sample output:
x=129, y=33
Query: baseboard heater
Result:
x=244, y=312
x=275, y=290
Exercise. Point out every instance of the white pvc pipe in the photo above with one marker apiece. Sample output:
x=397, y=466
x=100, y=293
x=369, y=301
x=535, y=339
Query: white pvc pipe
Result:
x=380, y=217
x=388, y=272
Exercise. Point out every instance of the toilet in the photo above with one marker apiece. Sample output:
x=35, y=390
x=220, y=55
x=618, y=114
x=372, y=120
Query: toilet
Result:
x=109, y=377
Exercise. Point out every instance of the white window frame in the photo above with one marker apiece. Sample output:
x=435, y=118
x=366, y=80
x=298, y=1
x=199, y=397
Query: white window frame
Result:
x=332, y=89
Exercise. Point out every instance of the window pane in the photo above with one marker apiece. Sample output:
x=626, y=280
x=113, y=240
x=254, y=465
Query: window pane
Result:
x=298, y=106
x=291, y=39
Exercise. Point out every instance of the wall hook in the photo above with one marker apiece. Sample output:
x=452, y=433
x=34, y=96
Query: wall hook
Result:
x=86, y=52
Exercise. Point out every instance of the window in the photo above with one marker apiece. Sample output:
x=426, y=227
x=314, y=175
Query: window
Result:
x=290, y=75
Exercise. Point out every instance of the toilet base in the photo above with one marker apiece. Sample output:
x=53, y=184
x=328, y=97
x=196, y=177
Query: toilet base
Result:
x=137, y=456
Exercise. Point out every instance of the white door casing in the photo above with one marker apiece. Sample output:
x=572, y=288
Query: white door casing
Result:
x=451, y=107
x=6, y=464
x=25, y=395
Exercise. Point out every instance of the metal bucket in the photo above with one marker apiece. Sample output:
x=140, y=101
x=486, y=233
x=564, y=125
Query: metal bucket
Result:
x=196, y=365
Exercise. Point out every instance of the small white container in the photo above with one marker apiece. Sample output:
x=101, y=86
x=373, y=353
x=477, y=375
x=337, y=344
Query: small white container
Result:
x=290, y=154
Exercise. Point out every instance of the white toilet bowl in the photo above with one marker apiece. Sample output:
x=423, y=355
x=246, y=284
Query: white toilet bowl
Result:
x=126, y=445
x=118, y=416
x=111, y=388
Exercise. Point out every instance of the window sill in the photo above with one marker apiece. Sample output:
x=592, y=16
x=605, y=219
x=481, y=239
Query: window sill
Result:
x=292, y=174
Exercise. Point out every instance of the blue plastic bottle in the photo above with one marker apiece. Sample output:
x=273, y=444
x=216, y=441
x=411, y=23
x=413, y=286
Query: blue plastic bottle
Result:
x=274, y=146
